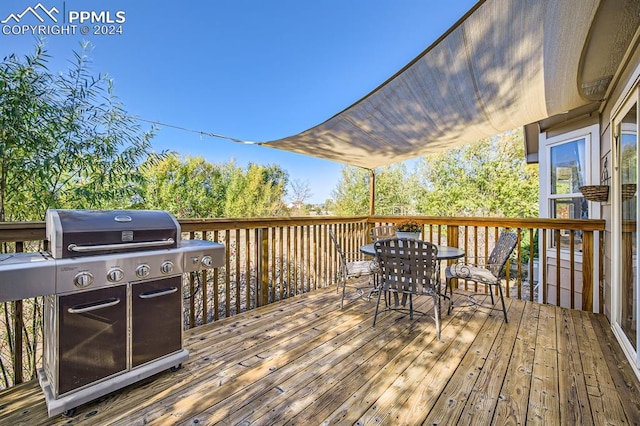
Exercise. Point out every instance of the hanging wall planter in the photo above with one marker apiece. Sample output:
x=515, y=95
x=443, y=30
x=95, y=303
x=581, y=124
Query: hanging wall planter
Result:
x=598, y=193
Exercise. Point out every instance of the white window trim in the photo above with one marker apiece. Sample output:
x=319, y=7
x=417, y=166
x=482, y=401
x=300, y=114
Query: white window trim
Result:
x=622, y=106
x=592, y=176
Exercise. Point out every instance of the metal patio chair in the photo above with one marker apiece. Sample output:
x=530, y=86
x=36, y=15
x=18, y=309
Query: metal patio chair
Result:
x=487, y=274
x=407, y=268
x=350, y=268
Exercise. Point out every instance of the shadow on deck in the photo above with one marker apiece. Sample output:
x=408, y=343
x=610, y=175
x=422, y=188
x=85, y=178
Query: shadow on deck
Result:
x=305, y=361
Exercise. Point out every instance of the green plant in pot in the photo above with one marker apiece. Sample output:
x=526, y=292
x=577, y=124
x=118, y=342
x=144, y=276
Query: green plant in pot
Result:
x=408, y=229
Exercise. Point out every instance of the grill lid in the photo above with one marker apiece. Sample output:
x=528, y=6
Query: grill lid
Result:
x=76, y=233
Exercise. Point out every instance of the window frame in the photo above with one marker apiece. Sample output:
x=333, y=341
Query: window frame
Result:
x=590, y=134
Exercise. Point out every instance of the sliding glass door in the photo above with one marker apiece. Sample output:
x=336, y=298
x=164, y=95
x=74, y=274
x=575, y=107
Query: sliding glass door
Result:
x=625, y=238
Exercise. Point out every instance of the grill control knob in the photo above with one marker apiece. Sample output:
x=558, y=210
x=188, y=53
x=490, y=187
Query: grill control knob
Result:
x=207, y=261
x=115, y=275
x=83, y=279
x=143, y=270
x=166, y=267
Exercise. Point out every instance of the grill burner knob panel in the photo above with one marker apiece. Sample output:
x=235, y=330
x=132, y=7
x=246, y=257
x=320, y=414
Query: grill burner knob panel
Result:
x=143, y=270
x=207, y=261
x=166, y=267
x=83, y=279
x=115, y=274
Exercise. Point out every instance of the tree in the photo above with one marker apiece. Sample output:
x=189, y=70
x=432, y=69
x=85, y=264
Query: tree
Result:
x=351, y=196
x=300, y=192
x=187, y=188
x=487, y=178
x=196, y=188
x=259, y=192
x=393, y=191
x=65, y=139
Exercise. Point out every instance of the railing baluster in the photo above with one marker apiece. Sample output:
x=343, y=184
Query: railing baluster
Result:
x=205, y=295
x=236, y=272
x=531, y=259
x=216, y=276
x=558, y=267
x=572, y=281
x=192, y=290
x=264, y=270
x=587, y=271
x=295, y=257
x=543, y=266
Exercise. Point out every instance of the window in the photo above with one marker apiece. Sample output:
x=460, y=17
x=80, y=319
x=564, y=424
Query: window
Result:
x=568, y=172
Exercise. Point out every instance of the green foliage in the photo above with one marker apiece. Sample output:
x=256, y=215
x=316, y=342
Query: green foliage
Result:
x=487, y=178
x=189, y=188
x=258, y=192
x=65, y=140
x=351, y=195
x=394, y=189
x=195, y=188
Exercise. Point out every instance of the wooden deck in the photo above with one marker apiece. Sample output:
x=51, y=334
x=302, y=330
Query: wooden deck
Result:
x=306, y=362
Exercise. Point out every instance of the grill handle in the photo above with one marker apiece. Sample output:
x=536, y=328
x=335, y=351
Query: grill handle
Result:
x=80, y=309
x=158, y=293
x=123, y=246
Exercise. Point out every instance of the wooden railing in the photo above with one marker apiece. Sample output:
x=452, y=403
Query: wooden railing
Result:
x=275, y=258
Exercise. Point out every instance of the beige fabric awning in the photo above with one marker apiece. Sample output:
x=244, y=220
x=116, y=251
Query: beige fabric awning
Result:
x=505, y=64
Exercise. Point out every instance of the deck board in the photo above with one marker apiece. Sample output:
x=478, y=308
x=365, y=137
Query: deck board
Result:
x=306, y=361
x=544, y=402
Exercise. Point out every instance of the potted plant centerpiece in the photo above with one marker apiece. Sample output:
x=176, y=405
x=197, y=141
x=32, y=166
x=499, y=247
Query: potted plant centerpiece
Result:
x=408, y=229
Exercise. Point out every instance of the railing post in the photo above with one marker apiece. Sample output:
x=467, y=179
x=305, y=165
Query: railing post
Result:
x=18, y=326
x=263, y=268
x=587, y=271
x=452, y=235
x=453, y=232
x=192, y=288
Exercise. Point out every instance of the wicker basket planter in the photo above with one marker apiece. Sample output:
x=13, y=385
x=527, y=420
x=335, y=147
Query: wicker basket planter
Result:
x=598, y=193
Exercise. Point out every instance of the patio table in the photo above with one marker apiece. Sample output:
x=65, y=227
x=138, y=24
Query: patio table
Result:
x=444, y=253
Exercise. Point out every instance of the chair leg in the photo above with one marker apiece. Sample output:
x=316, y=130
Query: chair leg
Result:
x=436, y=309
x=448, y=285
x=504, y=309
x=375, y=315
x=411, y=306
x=344, y=289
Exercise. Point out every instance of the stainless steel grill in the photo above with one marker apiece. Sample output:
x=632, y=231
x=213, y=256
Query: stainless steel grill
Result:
x=112, y=283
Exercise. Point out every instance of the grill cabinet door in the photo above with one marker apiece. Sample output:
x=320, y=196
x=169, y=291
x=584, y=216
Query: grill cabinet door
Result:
x=92, y=336
x=156, y=319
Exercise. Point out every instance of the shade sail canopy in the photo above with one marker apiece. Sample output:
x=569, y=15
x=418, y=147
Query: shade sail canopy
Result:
x=505, y=64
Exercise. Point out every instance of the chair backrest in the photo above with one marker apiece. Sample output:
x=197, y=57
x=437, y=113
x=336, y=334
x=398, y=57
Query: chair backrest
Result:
x=343, y=259
x=407, y=265
x=382, y=232
x=502, y=251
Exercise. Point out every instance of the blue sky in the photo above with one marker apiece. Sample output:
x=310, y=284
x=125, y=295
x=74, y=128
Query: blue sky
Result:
x=249, y=69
